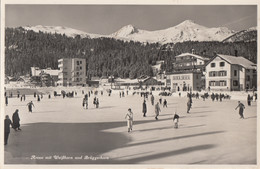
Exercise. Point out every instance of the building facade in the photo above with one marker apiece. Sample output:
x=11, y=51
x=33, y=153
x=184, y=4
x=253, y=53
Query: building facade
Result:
x=225, y=72
x=184, y=81
x=189, y=61
x=44, y=77
x=72, y=72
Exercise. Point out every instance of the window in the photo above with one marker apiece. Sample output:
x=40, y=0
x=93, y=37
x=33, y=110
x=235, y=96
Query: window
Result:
x=248, y=78
x=77, y=73
x=212, y=74
x=222, y=83
x=212, y=65
x=80, y=68
x=77, y=62
x=200, y=63
x=222, y=73
x=211, y=83
x=235, y=72
x=80, y=62
x=222, y=64
x=235, y=83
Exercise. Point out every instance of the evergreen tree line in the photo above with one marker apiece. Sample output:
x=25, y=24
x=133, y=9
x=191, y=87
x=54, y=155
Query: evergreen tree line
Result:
x=104, y=56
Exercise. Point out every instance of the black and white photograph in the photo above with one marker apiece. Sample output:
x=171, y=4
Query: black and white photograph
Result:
x=129, y=84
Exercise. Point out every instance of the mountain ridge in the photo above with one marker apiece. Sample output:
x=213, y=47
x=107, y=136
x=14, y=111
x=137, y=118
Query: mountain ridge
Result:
x=187, y=30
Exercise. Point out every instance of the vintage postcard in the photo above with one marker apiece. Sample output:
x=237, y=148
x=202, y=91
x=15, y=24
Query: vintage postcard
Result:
x=129, y=84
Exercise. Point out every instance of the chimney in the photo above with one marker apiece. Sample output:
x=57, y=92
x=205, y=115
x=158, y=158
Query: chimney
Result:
x=236, y=53
x=192, y=51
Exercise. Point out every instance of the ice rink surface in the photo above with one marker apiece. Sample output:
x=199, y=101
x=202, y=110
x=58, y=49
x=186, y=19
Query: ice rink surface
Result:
x=60, y=129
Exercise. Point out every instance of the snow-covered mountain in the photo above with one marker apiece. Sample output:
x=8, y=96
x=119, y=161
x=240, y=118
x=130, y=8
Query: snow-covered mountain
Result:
x=185, y=31
x=248, y=35
x=70, y=32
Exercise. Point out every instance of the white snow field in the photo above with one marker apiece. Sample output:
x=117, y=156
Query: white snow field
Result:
x=60, y=131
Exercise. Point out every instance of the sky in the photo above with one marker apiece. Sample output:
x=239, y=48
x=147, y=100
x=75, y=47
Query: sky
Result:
x=107, y=19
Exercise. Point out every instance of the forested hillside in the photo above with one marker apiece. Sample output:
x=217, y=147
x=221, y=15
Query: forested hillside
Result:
x=104, y=56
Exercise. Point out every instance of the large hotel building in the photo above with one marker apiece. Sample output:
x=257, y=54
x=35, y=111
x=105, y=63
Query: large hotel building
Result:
x=72, y=72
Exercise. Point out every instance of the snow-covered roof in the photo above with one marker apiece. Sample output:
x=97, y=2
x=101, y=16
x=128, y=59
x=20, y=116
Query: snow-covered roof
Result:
x=238, y=61
x=190, y=54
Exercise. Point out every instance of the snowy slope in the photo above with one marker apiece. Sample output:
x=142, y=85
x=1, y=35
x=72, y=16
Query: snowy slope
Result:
x=248, y=35
x=70, y=32
x=185, y=31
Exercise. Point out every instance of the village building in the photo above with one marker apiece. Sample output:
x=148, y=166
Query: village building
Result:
x=189, y=61
x=187, y=73
x=44, y=77
x=230, y=73
x=72, y=72
x=184, y=81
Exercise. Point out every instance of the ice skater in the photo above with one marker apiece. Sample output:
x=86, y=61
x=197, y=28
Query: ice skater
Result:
x=248, y=100
x=152, y=100
x=7, y=124
x=160, y=100
x=6, y=100
x=130, y=117
x=30, y=104
x=97, y=103
x=241, y=109
x=176, y=120
x=188, y=106
x=157, y=110
x=16, y=120
x=165, y=103
x=144, y=109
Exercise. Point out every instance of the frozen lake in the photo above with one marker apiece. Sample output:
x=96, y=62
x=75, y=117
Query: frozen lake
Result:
x=60, y=129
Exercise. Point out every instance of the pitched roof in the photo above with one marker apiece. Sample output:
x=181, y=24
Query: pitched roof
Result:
x=190, y=54
x=238, y=61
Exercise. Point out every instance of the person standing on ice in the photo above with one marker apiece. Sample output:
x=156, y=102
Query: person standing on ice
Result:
x=176, y=120
x=152, y=100
x=30, y=104
x=188, y=106
x=130, y=117
x=6, y=100
x=16, y=120
x=160, y=100
x=249, y=100
x=157, y=110
x=97, y=103
x=144, y=109
x=165, y=103
x=241, y=109
x=7, y=124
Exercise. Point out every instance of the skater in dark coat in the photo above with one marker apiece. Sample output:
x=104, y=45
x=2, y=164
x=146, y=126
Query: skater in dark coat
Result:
x=160, y=100
x=16, y=120
x=30, y=104
x=97, y=103
x=176, y=120
x=7, y=124
x=21, y=98
x=165, y=103
x=6, y=100
x=241, y=109
x=24, y=97
x=39, y=99
x=144, y=108
x=249, y=100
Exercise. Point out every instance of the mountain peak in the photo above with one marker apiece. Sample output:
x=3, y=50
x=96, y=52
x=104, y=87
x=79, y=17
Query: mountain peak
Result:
x=126, y=31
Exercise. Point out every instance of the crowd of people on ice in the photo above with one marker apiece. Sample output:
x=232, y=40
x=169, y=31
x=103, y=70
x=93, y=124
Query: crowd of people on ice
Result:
x=15, y=122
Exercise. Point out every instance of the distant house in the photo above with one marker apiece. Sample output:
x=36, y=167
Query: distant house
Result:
x=48, y=75
x=189, y=61
x=184, y=81
x=225, y=72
